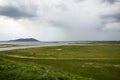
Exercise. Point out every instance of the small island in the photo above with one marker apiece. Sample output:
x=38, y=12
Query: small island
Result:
x=24, y=40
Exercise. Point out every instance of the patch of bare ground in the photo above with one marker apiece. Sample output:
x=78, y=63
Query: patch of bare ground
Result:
x=19, y=56
x=10, y=45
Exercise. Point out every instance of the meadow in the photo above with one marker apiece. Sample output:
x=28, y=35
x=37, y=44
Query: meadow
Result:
x=97, y=61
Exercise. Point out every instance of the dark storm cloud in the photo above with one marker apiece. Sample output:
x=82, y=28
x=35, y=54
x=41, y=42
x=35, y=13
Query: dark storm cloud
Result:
x=14, y=12
x=111, y=1
x=116, y=17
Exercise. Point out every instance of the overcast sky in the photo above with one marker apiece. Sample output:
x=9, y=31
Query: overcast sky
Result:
x=60, y=20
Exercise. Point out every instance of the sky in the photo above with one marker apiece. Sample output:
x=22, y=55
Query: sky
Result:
x=60, y=20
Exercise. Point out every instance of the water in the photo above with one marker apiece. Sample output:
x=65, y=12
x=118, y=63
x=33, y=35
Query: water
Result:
x=30, y=45
x=37, y=44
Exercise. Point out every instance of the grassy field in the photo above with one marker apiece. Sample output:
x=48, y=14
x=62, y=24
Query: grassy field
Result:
x=82, y=62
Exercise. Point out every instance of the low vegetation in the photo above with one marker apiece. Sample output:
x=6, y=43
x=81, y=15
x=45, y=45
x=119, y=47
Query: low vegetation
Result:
x=82, y=62
x=11, y=70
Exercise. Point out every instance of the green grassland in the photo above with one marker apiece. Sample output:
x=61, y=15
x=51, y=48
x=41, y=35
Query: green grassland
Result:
x=76, y=62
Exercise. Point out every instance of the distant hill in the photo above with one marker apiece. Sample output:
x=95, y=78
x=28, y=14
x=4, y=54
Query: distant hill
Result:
x=24, y=40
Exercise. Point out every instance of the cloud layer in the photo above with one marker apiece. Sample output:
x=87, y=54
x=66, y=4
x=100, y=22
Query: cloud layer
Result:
x=51, y=20
x=14, y=12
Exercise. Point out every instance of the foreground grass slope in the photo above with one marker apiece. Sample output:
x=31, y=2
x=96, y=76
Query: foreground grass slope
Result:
x=97, y=62
x=11, y=70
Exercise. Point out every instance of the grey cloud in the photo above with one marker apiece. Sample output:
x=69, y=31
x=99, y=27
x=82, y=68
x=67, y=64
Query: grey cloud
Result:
x=16, y=13
x=62, y=7
x=77, y=1
x=111, y=22
x=110, y=1
x=115, y=16
x=58, y=23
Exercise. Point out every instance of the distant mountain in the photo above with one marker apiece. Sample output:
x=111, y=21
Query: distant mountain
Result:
x=24, y=40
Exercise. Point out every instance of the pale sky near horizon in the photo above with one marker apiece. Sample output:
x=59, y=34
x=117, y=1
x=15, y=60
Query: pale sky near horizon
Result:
x=60, y=20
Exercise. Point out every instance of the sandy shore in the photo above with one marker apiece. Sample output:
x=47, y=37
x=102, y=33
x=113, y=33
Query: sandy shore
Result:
x=21, y=45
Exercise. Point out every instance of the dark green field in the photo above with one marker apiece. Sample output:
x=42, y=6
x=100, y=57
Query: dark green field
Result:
x=99, y=61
